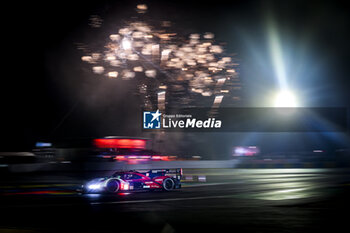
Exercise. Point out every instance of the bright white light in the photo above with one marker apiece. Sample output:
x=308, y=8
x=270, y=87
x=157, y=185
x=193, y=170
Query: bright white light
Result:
x=98, y=69
x=239, y=150
x=138, y=69
x=277, y=54
x=86, y=58
x=142, y=7
x=114, y=37
x=217, y=100
x=94, y=186
x=126, y=44
x=151, y=73
x=113, y=74
x=286, y=99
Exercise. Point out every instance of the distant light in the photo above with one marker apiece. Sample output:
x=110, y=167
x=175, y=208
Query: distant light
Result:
x=66, y=162
x=218, y=99
x=216, y=49
x=120, y=143
x=110, y=57
x=124, y=31
x=151, y=73
x=206, y=93
x=142, y=7
x=209, y=35
x=113, y=74
x=138, y=69
x=115, y=63
x=128, y=74
x=285, y=98
x=226, y=59
x=239, y=150
x=221, y=81
x=195, y=36
x=133, y=57
x=114, y=37
x=246, y=151
x=86, y=58
x=137, y=35
x=96, y=56
x=126, y=44
x=43, y=144
x=98, y=69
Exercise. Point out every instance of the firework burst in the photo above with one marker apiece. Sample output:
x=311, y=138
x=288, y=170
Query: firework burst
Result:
x=169, y=68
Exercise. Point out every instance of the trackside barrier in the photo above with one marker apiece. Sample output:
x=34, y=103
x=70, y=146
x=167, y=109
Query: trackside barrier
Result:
x=163, y=165
x=295, y=165
x=112, y=166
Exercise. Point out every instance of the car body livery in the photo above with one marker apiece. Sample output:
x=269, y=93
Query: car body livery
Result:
x=157, y=179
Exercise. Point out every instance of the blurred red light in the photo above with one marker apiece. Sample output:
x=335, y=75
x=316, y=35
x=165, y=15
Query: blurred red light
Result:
x=120, y=143
x=123, y=194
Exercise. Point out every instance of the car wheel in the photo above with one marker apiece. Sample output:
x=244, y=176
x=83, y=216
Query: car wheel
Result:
x=168, y=184
x=112, y=186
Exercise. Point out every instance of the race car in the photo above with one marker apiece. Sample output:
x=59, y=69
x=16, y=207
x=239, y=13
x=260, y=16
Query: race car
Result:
x=155, y=179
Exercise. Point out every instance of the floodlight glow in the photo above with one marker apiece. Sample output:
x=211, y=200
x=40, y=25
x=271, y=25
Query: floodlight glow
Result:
x=276, y=52
x=285, y=99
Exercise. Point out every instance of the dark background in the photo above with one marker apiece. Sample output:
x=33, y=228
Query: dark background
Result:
x=47, y=93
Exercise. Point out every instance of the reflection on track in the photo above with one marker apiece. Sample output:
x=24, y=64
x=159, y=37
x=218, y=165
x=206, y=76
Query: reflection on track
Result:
x=260, y=184
x=287, y=184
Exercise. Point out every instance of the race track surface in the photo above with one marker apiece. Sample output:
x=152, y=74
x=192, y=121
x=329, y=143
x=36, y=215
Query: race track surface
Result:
x=243, y=200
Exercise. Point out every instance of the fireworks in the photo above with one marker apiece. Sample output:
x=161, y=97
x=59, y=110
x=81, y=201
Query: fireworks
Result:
x=180, y=68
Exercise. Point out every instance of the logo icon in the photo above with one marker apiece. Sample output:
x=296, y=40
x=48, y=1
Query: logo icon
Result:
x=151, y=120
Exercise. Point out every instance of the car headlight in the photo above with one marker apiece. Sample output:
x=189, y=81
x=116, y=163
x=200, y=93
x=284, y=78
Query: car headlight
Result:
x=94, y=186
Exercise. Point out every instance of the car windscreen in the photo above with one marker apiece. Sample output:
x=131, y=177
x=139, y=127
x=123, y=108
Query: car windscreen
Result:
x=118, y=175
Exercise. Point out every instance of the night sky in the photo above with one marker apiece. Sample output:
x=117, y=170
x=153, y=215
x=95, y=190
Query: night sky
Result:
x=47, y=93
